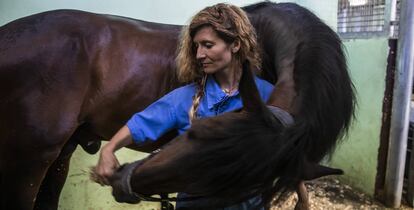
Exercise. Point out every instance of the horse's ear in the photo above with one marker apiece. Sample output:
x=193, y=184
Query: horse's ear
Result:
x=248, y=90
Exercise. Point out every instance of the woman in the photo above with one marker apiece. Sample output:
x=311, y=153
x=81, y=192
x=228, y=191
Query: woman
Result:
x=214, y=45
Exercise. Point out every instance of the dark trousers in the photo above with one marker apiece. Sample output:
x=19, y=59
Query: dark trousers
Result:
x=250, y=204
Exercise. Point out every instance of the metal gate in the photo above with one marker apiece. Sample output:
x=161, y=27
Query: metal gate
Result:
x=408, y=187
x=367, y=19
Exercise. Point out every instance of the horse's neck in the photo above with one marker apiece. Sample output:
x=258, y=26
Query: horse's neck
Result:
x=284, y=94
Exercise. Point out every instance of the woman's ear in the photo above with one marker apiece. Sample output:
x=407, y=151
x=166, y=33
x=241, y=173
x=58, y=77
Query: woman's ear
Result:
x=235, y=46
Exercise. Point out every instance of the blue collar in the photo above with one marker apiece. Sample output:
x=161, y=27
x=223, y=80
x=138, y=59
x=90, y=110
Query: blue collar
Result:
x=214, y=94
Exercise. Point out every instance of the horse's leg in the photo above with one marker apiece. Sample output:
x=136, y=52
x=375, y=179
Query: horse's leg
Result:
x=51, y=187
x=24, y=168
x=29, y=147
x=49, y=192
x=2, y=193
x=303, y=199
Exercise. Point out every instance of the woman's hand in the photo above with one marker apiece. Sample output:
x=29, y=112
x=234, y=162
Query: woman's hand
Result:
x=107, y=165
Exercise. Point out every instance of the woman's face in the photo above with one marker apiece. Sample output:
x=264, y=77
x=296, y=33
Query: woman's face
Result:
x=213, y=53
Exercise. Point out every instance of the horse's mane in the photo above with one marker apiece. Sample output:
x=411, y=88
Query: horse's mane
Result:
x=324, y=87
x=326, y=97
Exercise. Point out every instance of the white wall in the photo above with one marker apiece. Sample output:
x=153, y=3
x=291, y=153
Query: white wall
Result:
x=163, y=11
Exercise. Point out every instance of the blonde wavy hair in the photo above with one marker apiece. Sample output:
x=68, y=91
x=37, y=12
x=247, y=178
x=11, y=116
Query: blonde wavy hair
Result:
x=231, y=24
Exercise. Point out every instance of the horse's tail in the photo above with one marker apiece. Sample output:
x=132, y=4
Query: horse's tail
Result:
x=326, y=103
x=326, y=91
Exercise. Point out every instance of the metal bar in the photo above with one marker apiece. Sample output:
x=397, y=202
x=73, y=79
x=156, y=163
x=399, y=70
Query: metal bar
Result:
x=363, y=21
x=400, y=108
x=380, y=13
x=361, y=29
x=361, y=35
x=392, y=17
x=410, y=182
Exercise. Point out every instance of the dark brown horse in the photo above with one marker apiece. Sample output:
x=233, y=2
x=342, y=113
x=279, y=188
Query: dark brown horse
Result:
x=71, y=77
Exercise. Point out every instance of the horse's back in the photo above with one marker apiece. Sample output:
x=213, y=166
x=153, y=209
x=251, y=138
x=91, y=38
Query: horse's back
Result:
x=38, y=50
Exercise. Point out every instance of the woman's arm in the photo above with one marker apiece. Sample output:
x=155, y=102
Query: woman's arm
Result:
x=149, y=124
x=108, y=163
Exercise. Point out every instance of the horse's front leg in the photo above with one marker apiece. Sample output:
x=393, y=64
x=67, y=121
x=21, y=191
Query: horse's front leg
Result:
x=303, y=198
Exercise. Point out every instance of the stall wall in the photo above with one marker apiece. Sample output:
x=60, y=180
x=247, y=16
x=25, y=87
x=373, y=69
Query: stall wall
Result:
x=173, y=12
x=357, y=154
x=163, y=11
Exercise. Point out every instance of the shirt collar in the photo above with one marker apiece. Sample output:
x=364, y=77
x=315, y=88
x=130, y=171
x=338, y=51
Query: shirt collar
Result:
x=214, y=94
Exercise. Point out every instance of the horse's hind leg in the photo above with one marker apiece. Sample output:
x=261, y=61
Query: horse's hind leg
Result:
x=303, y=199
x=23, y=168
x=49, y=192
x=1, y=191
x=51, y=187
x=26, y=153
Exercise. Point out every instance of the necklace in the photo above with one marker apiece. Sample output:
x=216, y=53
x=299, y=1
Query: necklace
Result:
x=229, y=91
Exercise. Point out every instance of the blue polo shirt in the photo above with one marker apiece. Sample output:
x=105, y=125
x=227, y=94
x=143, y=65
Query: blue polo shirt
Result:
x=171, y=111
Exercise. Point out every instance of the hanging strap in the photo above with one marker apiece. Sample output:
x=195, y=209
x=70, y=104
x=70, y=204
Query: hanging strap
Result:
x=283, y=116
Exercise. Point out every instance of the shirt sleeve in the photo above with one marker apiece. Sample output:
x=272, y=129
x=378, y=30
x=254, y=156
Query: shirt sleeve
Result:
x=265, y=88
x=154, y=121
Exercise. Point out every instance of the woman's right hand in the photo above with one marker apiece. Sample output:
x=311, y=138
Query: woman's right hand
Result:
x=107, y=165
